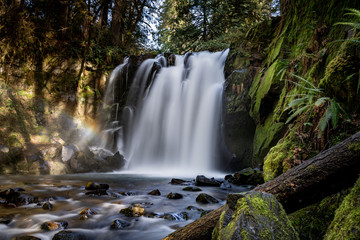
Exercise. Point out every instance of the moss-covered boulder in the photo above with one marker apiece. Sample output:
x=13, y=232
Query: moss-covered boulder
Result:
x=346, y=223
x=253, y=215
x=247, y=176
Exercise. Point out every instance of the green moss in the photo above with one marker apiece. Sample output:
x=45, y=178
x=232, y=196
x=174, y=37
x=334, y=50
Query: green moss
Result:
x=312, y=222
x=354, y=147
x=256, y=216
x=274, y=160
x=346, y=223
x=266, y=136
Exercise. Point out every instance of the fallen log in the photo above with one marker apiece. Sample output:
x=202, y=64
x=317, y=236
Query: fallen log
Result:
x=328, y=172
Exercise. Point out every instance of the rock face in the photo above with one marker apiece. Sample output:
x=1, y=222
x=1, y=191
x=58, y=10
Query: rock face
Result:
x=201, y=180
x=346, y=223
x=247, y=176
x=253, y=216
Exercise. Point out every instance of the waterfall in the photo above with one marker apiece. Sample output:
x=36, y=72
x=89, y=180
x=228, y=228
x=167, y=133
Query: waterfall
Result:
x=172, y=117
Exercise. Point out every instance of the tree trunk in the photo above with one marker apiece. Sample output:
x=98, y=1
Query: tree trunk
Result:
x=328, y=172
x=198, y=230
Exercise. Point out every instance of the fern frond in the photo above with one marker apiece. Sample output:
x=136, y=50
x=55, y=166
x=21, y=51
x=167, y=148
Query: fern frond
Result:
x=335, y=109
x=321, y=100
x=324, y=121
x=297, y=113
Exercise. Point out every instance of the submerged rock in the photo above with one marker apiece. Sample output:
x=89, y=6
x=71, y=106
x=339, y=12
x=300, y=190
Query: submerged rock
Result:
x=69, y=235
x=6, y=219
x=177, y=181
x=119, y=224
x=85, y=213
x=180, y=216
x=172, y=195
x=15, y=197
x=254, y=215
x=97, y=192
x=155, y=192
x=206, y=198
x=247, y=176
x=53, y=226
x=192, y=189
x=201, y=180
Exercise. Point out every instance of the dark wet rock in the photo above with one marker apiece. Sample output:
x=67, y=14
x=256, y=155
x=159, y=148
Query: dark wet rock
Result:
x=225, y=185
x=10, y=205
x=69, y=235
x=154, y=215
x=53, y=226
x=97, y=192
x=201, y=180
x=227, y=177
x=177, y=181
x=192, y=189
x=247, y=176
x=96, y=186
x=119, y=224
x=172, y=195
x=155, y=192
x=192, y=208
x=47, y=206
x=134, y=211
x=180, y=216
x=6, y=219
x=206, y=198
x=13, y=197
x=127, y=193
x=117, y=161
x=19, y=190
x=85, y=213
x=26, y=238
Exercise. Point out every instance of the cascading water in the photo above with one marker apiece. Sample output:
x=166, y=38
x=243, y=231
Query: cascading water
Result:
x=172, y=118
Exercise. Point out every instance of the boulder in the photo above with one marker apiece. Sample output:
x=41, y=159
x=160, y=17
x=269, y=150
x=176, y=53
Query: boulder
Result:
x=6, y=219
x=47, y=206
x=17, y=198
x=155, y=192
x=247, y=176
x=206, y=198
x=253, y=215
x=4, y=153
x=177, y=181
x=54, y=226
x=69, y=235
x=116, y=161
x=69, y=152
x=201, y=180
x=96, y=186
x=51, y=152
x=172, y=195
x=85, y=213
x=119, y=224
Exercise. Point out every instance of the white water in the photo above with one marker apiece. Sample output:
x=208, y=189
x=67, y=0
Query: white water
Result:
x=173, y=122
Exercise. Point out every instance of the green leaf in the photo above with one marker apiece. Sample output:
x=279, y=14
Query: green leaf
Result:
x=322, y=100
x=297, y=113
x=324, y=121
x=334, y=106
x=297, y=101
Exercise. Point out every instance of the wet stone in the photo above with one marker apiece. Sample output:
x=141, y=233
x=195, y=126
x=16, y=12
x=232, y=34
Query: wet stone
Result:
x=6, y=219
x=181, y=216
x=133, y=211
x=87, y=211
x=172, y=195
x=192, y=189
x=206, y=198
x=201, y=180
x=177, y=181
x=97, y=192
x=155, y=192
x=119, y=224
x=47, y=206
x=53, y=226
x=96, y=186
x=69, y=235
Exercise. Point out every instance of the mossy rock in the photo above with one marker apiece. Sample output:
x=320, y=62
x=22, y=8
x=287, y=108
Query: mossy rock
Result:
x=312, y=222
x=274, y=160
x=255, y=216
x=346, y=223
x=266, y=136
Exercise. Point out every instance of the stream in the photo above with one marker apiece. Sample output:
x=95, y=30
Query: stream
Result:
x=68, y=197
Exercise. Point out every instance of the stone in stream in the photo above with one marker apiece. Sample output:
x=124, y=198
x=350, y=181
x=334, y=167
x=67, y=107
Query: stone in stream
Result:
x=69, y=235
x=177, y=181
x=180, y=216
x=206, y=198
x=247, y=176
x=96, y=186
x=17, y=198
x=85, y=213
x=119, y=224
x=53, y=226
x=172, y=195
x=192, y=189
x=97, y=192
x=155, y=192
x=47, y=206
x=6, y=219
x=134, y=211
x=201, y=180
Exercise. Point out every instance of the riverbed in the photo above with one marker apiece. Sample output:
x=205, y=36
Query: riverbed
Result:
x=68, y=197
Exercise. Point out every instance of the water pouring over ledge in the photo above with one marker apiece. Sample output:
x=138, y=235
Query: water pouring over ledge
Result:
x=172, y=118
